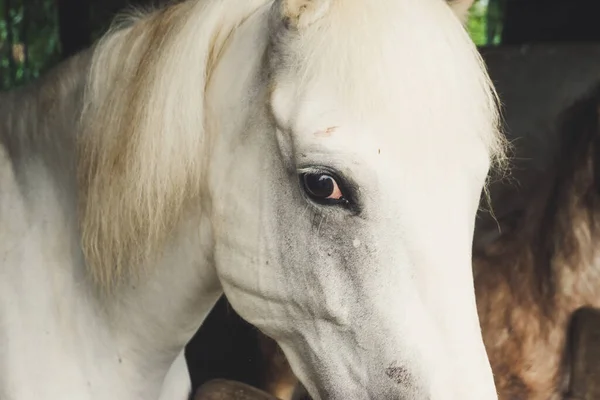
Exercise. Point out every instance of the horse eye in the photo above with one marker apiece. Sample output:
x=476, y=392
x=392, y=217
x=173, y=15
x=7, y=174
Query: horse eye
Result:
x=322, y=188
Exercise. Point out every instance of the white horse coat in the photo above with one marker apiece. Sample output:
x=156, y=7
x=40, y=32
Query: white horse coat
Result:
x=319, y=161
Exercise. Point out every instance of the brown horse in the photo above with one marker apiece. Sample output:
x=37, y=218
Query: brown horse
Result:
x=543, y=264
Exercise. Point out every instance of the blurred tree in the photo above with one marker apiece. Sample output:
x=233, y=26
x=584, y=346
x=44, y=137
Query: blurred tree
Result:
x=484, y=24
x=28, y=40
x=476, y=25
x=36, y=34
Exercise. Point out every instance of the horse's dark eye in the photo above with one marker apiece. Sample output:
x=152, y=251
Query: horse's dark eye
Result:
x=322, y=188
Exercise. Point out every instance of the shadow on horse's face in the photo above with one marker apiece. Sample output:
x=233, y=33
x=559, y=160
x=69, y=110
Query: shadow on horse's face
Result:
x=344, y=215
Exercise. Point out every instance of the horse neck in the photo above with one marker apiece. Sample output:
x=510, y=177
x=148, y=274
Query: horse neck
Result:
x=76, y=342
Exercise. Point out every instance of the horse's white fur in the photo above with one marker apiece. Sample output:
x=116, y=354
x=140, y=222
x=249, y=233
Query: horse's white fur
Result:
x=183, y=164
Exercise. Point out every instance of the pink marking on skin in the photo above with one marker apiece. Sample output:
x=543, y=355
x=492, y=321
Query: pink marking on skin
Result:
x=327, y=132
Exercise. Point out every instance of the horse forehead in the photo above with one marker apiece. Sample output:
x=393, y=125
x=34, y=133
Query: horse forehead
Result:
x=405, y=87
x=316, y=115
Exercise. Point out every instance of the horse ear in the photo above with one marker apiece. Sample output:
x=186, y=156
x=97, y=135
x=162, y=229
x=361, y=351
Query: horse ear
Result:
x=461, y=8
x=299, y=14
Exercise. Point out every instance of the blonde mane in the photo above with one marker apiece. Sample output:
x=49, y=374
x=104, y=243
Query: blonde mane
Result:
x=140, y=149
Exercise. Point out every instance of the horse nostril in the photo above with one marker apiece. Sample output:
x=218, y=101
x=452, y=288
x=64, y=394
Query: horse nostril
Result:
x=399, y=374
x=402, y=376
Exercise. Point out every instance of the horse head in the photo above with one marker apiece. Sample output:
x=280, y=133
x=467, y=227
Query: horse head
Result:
x=345, y=213
x=336, y=152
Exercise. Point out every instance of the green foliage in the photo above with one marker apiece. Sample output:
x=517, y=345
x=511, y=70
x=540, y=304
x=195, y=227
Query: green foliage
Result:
x=29, y=42
x=477, y=23
x=485, y=22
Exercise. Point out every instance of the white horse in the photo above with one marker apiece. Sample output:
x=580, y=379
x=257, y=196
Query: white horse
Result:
x=319, y=161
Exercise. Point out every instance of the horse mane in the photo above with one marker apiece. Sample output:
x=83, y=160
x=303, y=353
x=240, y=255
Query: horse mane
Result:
x=142, y=130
